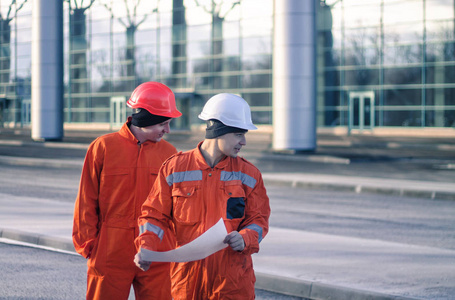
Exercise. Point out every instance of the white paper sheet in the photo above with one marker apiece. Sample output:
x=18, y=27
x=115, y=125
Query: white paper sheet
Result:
x=208, y=243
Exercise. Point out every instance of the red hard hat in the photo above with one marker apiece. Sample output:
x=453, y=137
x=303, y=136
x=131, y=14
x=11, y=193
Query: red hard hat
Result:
x=156, y=98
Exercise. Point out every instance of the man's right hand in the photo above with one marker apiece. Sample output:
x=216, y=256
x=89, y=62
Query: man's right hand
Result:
x=141, y=264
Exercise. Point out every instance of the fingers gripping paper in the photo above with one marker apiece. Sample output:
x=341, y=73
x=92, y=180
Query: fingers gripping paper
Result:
x=208, y=243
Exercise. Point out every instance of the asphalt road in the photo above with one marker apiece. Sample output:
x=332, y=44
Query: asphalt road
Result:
x=32, y=273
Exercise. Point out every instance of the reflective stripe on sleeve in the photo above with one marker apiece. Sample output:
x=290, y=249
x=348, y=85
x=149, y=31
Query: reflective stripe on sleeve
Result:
x=184, y=176
x=244, y=178
x=152, y=228
x=256, y=228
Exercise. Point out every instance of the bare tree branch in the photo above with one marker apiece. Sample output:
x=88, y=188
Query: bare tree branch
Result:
x=215, y=9
x=10, y=9
x=205, y=8
x=142, y=21
x=128, y=13
x=232, y=7
x=81, y=5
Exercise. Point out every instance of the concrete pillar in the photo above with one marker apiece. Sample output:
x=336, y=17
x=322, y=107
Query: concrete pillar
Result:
x=47, y=70
x=294, y=75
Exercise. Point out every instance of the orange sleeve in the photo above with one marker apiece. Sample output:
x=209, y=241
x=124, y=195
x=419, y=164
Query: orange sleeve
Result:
x=86, y=209
x=156, y=215
x=257, y=212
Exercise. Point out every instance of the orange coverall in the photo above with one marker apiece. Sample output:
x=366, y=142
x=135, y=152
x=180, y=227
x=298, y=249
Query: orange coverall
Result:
x=194, y=197
x=116, y=178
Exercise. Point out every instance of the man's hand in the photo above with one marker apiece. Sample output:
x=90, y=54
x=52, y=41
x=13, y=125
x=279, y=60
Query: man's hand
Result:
x=141, y=264
x=235, y=240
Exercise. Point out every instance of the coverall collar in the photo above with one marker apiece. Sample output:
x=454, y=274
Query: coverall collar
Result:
x=203, y=164
x=125, y=131
x=127, y=134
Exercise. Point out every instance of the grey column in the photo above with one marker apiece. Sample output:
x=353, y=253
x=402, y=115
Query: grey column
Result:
x=294, y=75
x=47, y=70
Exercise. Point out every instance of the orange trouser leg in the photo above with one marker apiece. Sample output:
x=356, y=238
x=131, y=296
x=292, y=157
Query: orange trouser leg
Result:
x=154, y=284
x=111, y=285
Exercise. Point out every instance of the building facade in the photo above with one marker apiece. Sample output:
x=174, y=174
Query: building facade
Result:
x=379, y=63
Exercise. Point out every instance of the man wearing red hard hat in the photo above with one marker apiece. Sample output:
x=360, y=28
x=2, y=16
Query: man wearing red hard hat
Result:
x=118, y=173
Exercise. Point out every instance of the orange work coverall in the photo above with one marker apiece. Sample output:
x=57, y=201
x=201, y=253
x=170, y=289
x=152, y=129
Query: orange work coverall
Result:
x=117, y=176
x=194, y=196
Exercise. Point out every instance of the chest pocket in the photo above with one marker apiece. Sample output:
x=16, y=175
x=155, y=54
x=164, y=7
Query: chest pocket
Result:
x=235, y=208
x=113, y=183
x=187, y=207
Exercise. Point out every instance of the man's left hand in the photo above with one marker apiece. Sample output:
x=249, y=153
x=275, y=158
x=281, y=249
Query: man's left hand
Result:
x=235, y=240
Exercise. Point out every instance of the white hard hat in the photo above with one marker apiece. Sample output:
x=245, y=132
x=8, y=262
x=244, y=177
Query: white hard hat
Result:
x=229, y=109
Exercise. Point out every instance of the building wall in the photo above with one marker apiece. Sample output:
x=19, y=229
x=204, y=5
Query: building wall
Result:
x=400, y=51
x=404, y=60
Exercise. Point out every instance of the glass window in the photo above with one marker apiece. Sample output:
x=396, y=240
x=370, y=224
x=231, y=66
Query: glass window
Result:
x=24, y=36
x=449, y=118
x=100, y=41
x=332, y=15
x=24, y=49
x=449, y=98
x=100, y=26
x=259, y=45
x=226, y=82
x=198, y=49
x=440, y=73
x=364, y=15
x=440, y=30
x=362, y=57
x=439, y=9
x=146, y=37
x=403, y=54
x=197, y=15
x=402, y=12
x=261, y=117
x=256, y=8
x=257, y=27
x=257, y=80
x=231, y=64
x=405, y=118
x=231, y=47
x=362, y=38
x=440, y=52
x=24, y=72
x=258, y=99
x=199, y=33
x=332, y=57
x=405, y=33
x=147, y=68
x=402, y=97
x=257, y=62
x=411, y=75
x=199, y=66
x=439, y=97
x=231, y=29
x=362, y=77
x=331, y=78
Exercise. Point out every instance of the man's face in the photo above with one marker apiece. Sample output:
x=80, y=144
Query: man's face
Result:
x=156, y=132
x=231, y=143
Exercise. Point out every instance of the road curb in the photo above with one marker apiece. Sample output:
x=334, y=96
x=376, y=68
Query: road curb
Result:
x=41, y=162
x=267, y=282
x=37, y=239
x=358, y=188
x=316, y=290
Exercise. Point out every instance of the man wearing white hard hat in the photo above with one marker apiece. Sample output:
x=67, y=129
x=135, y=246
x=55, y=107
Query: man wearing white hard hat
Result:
x=194, y=190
